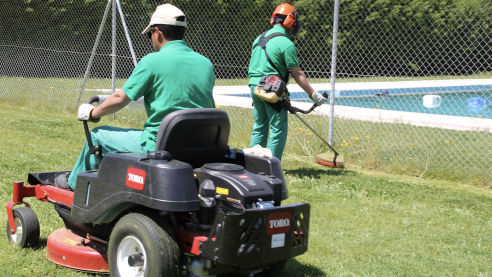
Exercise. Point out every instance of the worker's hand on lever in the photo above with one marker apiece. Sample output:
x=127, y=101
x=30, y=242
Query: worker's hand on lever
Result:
x=318, y=98
x=85, y=113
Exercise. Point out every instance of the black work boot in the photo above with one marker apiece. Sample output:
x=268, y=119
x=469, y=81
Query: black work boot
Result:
x=61, y=181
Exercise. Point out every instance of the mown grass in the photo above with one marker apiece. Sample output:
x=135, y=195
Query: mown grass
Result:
x=362, y=223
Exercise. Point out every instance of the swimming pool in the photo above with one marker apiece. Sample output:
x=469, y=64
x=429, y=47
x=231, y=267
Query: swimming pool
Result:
x=466, y=101
x=467, y=104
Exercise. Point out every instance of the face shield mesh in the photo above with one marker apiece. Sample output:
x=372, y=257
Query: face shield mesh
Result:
x=297, y=25
x=295, y=30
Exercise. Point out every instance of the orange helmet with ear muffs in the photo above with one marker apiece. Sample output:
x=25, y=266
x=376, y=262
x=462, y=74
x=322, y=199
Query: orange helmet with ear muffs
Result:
x=288, y=11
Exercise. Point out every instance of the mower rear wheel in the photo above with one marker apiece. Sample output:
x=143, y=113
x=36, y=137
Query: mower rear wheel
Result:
x=26, y=226
x=140, y=247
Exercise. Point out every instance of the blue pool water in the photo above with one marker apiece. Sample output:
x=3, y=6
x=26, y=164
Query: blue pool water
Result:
x=468, y=104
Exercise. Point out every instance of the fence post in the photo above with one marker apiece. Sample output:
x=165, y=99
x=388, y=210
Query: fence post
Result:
x=93, y=53
x=333, y=70
x=127, y=34
x=113, y=49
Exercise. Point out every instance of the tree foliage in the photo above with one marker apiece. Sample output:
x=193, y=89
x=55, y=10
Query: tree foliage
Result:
x=376, y=37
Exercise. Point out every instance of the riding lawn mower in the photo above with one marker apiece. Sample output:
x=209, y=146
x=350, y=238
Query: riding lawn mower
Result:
x=192, y=207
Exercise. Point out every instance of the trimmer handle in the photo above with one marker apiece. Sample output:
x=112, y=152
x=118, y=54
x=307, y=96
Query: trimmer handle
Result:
x=293, y=110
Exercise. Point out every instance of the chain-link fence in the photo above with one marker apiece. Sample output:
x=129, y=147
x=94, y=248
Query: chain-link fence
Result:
x=412, y=88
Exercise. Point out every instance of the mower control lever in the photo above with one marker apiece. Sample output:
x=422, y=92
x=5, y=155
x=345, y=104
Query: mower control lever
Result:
x=93, y=99
x=97, y=98
x=93, y=149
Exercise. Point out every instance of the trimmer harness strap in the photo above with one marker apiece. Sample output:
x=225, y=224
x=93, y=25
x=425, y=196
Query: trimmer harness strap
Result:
x=262, y=42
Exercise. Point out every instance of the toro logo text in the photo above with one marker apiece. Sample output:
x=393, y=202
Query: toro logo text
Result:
x=135, y=178
x=279, y=223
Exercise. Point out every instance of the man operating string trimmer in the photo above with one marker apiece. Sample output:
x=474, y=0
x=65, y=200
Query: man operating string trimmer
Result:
x=274, y=54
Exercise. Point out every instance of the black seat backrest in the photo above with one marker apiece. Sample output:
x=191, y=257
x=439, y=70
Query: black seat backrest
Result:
x=195, y=136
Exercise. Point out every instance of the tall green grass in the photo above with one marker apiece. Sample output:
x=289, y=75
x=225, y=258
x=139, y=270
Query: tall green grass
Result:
x=432, y=153
x=361, y=224
x=423, y=152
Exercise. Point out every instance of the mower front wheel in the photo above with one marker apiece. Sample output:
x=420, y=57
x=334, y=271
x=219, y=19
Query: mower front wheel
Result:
x=140, y=247
x=26, y=224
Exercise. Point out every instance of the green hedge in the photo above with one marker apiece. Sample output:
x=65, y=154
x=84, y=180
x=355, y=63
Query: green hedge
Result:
x=378, y=37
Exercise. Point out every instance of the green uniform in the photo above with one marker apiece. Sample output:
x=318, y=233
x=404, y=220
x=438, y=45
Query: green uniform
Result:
x=172, y=79
x=283, y=54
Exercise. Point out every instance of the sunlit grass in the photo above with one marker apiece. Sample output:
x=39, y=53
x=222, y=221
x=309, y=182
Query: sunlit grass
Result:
x=361, y=224
x=389, y=147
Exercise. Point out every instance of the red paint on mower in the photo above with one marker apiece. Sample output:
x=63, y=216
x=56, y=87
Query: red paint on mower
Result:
x=70, y=250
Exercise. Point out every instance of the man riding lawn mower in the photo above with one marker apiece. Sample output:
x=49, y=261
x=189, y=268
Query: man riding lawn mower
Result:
x=193, y=206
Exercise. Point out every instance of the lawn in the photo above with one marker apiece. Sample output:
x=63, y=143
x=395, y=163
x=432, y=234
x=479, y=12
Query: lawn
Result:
x=363, y=223
x=431, y=153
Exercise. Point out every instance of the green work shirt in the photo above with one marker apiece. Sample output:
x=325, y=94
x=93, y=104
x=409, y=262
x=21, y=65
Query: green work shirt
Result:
x=281, y=51
x=174, y=78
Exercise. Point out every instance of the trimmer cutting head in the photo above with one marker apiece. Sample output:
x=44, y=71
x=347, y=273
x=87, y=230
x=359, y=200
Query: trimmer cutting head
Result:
x=330, y=159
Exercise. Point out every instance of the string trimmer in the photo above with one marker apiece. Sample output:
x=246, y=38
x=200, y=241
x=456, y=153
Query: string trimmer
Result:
x=326, y=158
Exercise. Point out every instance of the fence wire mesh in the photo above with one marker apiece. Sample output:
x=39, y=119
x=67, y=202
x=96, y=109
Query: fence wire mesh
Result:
x=413, y=77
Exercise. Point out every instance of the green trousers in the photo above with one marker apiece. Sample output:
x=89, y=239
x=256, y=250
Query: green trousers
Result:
x=270, y=127
x=111, y=139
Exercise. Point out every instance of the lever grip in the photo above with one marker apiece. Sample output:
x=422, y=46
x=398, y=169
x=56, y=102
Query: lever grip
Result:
x=97, y=98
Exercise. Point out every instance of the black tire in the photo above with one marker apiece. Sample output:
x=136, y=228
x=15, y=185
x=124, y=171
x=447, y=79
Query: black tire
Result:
x=138, y=245
x=27, y=228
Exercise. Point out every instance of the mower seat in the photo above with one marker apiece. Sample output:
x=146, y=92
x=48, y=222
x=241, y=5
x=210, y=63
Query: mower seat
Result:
x=195, y=136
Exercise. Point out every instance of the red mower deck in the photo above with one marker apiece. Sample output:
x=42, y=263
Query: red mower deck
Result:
x=66, y=249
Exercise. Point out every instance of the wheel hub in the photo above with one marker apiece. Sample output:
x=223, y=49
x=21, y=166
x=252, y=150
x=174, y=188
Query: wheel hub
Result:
x=131, y=257
x=18, y=231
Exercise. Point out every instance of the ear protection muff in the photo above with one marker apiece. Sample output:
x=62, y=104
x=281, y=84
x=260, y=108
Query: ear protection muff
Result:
x=290, y=20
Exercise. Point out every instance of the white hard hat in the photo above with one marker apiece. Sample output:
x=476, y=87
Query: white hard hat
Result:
x=166, y=14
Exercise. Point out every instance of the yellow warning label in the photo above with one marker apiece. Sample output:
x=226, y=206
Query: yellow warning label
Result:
x=220, y=190
x=70, y=241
